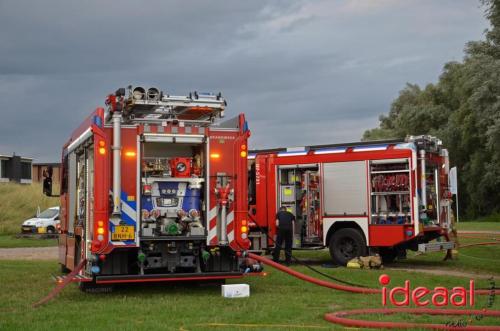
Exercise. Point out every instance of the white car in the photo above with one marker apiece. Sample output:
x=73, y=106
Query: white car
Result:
x=48, y=219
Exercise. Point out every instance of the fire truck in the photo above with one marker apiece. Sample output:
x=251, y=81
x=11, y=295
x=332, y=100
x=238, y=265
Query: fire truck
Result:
x=154, y=188
x=356, y=199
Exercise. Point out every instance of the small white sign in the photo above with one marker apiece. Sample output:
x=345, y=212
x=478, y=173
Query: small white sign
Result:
x=452, y=178
x=235, y=291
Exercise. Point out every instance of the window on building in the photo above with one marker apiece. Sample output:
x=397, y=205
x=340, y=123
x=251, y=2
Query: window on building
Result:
x=26, y=170
x=3, y=168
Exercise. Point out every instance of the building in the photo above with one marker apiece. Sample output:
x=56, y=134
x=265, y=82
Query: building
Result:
x=15, y=169
x=39, y=168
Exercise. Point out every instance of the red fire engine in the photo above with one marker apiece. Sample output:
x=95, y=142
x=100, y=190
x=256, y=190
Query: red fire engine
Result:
x=154, y=188
x=355, y=199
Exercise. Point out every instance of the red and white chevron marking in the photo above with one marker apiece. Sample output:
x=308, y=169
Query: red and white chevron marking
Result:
x=212, y=239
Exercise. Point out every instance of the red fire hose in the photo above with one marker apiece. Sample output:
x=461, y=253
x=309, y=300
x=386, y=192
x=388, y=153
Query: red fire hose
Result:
x=340, y=317
x=61, y=285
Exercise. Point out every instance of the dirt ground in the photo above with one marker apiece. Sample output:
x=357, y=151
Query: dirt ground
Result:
x=29, y=253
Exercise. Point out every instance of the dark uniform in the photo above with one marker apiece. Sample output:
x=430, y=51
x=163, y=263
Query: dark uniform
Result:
x=285, y=232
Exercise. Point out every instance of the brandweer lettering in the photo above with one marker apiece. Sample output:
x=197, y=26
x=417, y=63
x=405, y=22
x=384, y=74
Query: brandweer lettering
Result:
x=422, y=296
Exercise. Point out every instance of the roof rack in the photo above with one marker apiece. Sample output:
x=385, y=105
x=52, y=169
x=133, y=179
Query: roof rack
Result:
x=153, y=105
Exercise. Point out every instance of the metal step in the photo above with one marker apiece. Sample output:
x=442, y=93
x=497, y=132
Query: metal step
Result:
x=436, y=246
x=76, y=279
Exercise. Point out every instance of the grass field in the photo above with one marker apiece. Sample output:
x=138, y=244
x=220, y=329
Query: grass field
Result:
x=277, y=301
x=10, y=241
x=478, y=259
x=20, y=202
x=479, y=226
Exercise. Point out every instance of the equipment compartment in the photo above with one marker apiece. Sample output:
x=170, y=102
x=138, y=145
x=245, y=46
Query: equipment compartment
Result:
x=390, y=192
x=300, y=194
x=172, y=190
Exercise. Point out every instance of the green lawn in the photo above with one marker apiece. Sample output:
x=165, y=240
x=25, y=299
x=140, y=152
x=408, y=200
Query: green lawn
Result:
x=10, y=241
x=277, y=301
x=478, y=259
x=479, y=226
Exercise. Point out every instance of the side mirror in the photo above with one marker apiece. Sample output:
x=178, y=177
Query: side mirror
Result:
x=47, y=181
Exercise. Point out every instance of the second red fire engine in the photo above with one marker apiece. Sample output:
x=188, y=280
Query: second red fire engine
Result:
x=355, y=199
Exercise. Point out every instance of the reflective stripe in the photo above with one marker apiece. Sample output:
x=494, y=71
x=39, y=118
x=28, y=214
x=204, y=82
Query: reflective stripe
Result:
x=212, y=225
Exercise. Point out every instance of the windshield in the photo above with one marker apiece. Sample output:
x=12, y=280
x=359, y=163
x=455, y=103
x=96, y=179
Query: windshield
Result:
x=48, y=213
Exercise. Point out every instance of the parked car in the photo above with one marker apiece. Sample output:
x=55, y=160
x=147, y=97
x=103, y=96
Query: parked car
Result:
x=48, y=220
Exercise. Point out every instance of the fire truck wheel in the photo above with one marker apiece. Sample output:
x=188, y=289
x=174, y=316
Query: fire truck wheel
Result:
x=346, y=244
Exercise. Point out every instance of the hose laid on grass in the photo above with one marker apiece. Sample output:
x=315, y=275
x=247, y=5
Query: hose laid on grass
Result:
x=340, y=317
x=61, y=285
x=324, y=283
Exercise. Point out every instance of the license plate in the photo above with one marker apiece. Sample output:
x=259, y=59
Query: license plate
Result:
x=122, y=232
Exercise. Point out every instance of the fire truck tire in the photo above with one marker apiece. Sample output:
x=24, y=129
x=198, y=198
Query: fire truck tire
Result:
x=346, y=244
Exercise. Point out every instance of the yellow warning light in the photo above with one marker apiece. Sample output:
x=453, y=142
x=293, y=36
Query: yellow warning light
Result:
x=244, y=229
x=243, y=154
x=100, y=230
x=215, y=156
x=102, y=150
x=130, y=154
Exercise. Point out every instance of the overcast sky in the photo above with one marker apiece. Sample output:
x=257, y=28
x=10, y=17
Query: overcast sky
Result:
x=304, y=72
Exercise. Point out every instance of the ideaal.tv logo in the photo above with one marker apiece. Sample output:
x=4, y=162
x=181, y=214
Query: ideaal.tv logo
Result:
x=422, y=296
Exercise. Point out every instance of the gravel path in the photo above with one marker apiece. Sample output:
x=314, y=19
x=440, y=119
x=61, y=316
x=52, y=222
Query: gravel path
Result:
x=29, y=253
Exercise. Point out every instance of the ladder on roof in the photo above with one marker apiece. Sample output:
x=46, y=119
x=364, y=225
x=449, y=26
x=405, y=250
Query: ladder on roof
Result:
x=155, y=106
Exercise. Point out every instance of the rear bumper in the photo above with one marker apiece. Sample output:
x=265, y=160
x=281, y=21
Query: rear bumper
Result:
x=114, y=279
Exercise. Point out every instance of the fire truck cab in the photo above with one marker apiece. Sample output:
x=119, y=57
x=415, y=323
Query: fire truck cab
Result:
x=356, y=199
x=154, y=188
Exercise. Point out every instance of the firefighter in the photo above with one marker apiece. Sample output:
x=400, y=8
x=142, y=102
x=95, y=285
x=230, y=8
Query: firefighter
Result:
x=285, y=223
